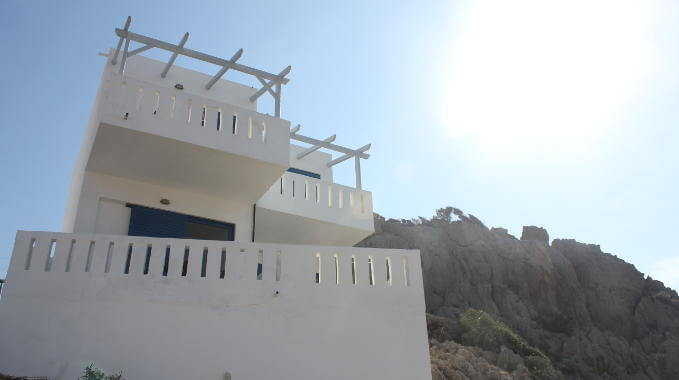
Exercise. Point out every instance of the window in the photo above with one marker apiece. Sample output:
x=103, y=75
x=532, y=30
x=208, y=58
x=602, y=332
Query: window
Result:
x=318, y=268
x=304, y=173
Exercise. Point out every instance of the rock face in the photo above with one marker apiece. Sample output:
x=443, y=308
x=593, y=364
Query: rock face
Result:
x=594, y=315
x=535, y=233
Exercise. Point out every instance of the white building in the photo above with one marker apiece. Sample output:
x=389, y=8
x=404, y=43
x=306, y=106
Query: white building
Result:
x=199, y=243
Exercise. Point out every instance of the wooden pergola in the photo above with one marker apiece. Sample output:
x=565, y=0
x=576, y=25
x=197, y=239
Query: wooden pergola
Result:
x=271, y=83
x=356, y=154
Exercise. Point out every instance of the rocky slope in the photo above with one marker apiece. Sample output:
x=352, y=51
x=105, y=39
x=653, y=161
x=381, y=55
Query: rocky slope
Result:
x=594, y=315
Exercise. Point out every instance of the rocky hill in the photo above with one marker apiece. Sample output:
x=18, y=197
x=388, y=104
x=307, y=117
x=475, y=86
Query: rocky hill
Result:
x=593, y=315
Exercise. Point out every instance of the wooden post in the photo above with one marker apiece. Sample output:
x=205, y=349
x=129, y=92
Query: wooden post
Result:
x=357, y=166
x=277, y=100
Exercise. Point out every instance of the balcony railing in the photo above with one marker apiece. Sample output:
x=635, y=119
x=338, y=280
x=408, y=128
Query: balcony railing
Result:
x=172, y=113
x=115, y=256
x=312, y=198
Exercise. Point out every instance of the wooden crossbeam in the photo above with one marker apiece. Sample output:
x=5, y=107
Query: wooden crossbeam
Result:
x=348, y=155
x=197, y=55
x=263, y=82
x=221, y=72
x=174, y=55
x=272, y=82
x=314, y=148
x=336, y=148
x=114, y=60
x=139, y=50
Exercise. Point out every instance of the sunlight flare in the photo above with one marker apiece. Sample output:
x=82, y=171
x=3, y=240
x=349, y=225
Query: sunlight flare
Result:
x=533, y=76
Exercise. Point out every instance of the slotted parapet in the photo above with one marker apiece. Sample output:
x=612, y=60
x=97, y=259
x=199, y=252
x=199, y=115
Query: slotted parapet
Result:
x=176, y=114
x=162, y=308
x=162, y=135
x=345, y=213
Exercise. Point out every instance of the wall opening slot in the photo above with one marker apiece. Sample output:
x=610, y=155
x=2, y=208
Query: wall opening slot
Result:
x=318, y=268
x=147, y=259
x=88, y=261
x=278, y=266
x=203, y=268
x=260, y=264
x=388, y=261
x=109, y=258
x=29, y=255
x=70, y=255
x=173, y=104
x=50, y=256
x=336, y=260
x=128, y=259
x=185, y=264
x=222, y=265
x=156, y=102
x=219, y=119
x=406, y=271
x=166, y=263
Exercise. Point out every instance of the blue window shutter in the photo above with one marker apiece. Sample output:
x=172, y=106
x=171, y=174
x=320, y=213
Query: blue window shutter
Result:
x=146, y=221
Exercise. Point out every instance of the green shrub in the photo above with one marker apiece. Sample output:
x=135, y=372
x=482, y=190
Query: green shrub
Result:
x=481, y=330
x=93, y=373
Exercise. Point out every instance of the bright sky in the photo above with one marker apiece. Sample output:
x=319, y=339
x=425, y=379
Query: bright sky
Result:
x=557, y=114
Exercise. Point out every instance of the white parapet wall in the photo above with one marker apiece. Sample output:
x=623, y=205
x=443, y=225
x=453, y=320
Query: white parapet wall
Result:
x=131, y=304
x=306, y=210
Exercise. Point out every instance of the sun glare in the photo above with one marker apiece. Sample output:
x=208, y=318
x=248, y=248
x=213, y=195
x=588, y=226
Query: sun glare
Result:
x=528, y=77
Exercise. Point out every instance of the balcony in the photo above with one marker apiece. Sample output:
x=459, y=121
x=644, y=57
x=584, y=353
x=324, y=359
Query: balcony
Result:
x=160, y=134
x=125, y=302
x=301, y=209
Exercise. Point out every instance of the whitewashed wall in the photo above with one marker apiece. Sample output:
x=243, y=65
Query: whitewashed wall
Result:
x=95, y=216
x=54, y=322
x=144, y=72
x=315, y=162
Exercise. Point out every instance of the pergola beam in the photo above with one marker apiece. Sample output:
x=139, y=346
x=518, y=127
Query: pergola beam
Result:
x=196, y=54
x=124, y=59
x=357, y=154
x=348, y=156
x=223, y=70
x=263, y=82
x=312, y=141
x=139, y=50
x=279, y=78
x=114, y=60
x=174, y=55
x=340, y=159
x=314, y=148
